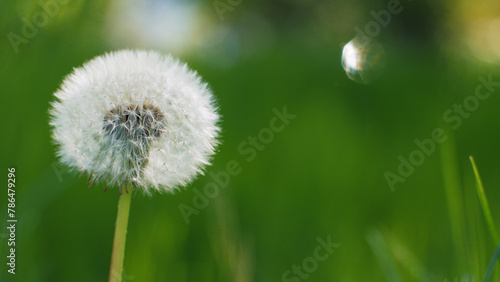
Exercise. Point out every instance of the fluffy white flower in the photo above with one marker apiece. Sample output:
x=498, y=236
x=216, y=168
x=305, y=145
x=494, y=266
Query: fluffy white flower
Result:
x=135, y=117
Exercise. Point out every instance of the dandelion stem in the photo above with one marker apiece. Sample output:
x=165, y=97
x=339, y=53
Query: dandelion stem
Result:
x=115, y=272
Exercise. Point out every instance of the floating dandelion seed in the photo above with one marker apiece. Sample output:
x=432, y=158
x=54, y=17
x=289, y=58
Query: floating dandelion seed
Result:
x=363, y=61
x=135, y=117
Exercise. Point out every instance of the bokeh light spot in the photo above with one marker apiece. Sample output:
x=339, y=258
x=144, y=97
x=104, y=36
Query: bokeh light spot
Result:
x=363, y=61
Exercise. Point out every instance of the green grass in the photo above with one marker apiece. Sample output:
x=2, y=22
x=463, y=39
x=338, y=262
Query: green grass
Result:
x=454, y=196
x=393, y=256
x=321, y=176
x=491, y=265
x=489, y=220
x=484, y=202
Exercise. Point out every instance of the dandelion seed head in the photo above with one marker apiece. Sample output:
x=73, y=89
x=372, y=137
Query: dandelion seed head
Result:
x=135, y=117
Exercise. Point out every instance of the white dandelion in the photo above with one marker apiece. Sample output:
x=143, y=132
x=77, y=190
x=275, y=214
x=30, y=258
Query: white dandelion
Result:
x=135, y=117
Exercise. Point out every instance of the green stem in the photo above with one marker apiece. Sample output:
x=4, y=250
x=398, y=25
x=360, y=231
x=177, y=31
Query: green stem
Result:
x=115, y=272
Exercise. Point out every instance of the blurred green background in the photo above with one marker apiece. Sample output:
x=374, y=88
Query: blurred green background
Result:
x=322, y=176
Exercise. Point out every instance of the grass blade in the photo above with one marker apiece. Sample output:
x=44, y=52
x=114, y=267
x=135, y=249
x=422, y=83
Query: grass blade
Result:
x=453, y=189
x=383, y=255
x=484, y=201
x=491, y=265
x=408, y=259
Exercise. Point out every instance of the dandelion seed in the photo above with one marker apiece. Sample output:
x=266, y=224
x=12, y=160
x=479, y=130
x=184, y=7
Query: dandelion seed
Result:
x=363, y=61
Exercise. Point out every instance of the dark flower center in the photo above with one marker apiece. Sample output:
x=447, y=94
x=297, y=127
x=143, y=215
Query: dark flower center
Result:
x=131, y=128
x=134, y=122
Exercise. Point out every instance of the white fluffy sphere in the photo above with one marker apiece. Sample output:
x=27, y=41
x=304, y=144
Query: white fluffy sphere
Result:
x=135, y=117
